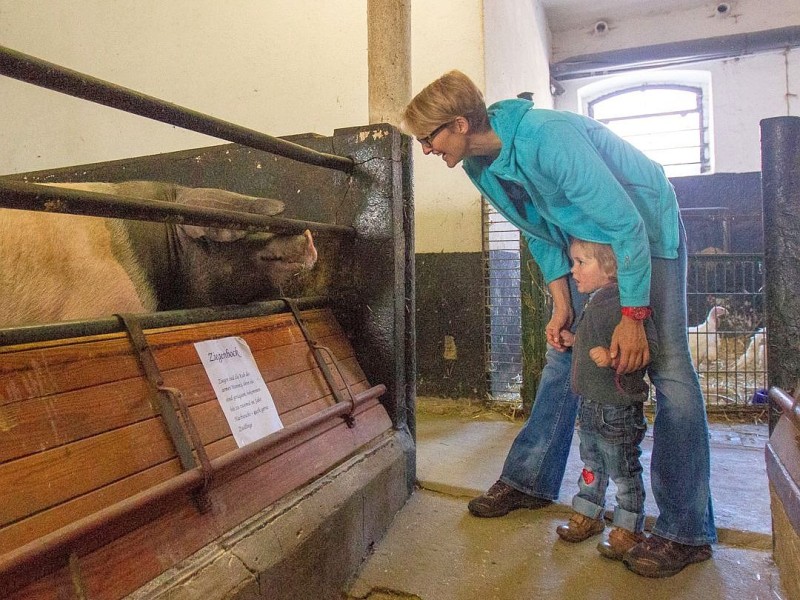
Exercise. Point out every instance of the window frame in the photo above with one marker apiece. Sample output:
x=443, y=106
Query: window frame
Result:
x=696, y=82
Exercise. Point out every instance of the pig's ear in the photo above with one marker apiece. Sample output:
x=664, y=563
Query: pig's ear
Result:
x=224, y=200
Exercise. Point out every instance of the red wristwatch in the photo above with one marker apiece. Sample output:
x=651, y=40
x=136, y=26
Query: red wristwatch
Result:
x=637, y=313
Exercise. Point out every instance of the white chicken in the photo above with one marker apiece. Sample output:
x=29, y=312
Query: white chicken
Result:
x=703, y=338
x=754, y=359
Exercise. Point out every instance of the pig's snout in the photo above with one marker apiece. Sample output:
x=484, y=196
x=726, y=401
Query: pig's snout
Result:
x=291, y=253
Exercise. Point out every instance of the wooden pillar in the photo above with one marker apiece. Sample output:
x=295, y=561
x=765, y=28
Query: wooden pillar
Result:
x=389, y=57
x=780, y=190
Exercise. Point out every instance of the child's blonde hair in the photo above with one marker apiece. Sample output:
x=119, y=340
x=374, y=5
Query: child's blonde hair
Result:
x=602, y=253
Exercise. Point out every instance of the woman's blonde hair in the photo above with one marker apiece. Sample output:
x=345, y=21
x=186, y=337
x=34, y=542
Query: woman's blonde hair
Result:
x=452, y=95
x=602, y=253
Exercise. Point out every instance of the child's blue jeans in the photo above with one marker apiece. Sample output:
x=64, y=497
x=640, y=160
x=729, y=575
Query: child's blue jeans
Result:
x=610, y=436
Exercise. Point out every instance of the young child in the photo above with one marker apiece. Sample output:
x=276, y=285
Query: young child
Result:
x=611, y=414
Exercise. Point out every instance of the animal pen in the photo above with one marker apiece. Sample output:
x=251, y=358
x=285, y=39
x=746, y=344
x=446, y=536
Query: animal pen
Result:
x=119, y=474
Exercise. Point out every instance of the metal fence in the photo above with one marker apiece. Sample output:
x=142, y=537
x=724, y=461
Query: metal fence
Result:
x=503, y=318
x=725, y=304
x=727, y=333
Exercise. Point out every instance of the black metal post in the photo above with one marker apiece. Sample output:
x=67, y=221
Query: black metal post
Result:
x=780, y=189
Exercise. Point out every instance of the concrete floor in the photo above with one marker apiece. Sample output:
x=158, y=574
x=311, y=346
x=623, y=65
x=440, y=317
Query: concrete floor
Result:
x=436, y=550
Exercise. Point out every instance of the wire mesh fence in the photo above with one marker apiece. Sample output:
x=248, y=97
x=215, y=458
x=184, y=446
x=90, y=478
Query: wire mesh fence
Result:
x=503, y=327
x=726, y=316
x=727, y=333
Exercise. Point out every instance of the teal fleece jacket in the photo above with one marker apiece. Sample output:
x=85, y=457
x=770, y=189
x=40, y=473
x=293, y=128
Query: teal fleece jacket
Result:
x=562, y=175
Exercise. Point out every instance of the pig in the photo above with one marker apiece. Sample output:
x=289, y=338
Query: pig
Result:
x=60, y=267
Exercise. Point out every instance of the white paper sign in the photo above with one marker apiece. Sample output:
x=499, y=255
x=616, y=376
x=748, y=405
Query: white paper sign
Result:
x=240, y=389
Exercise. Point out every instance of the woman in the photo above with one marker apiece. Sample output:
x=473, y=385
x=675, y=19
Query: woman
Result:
x=557, y=175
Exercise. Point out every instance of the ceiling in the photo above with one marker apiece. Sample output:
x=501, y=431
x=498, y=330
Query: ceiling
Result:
x=569, y=14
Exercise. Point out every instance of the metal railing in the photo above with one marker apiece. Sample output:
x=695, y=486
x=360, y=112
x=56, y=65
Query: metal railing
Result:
x=31, y=196
x=790, y=407
x=79, y=85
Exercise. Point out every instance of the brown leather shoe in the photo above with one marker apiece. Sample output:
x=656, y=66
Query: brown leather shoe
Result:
x=619, y=542
x=579, y=528
x=660, y=557
x=501, y=499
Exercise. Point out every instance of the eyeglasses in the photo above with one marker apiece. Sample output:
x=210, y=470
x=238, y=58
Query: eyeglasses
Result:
x=427, y=141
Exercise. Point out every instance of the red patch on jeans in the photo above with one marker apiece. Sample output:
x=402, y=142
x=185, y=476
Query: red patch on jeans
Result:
x=588, y=477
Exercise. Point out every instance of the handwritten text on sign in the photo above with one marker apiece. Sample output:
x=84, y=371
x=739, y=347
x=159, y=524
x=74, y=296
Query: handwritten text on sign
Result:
x=240, y=389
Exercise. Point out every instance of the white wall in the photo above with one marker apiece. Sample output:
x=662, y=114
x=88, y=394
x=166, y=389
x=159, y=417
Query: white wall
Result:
x=503, y=46
x=276, y=66
x=517, y=51
x=445, y=35
x=743, y=91
x=649, y=23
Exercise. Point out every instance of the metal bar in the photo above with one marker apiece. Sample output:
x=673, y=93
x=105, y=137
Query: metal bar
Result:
x=788, y=405
x=49, y=75
x=70, y=329
x=46, y=198
x=36, y=559
x=726, y=233
x=158, y=397
x=312, y=343
x=200, y=496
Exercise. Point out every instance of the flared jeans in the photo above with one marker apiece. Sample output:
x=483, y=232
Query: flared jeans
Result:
x=680, y=459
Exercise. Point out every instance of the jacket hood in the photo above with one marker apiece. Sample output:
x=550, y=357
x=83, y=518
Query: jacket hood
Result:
x=505, y=117
x=508, y=113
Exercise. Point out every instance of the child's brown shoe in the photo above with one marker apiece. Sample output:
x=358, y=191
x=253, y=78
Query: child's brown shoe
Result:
x=579, y=528
x=618, y=543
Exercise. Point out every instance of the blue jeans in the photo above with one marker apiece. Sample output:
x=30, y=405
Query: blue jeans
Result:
x=680, y=461
x=611, y=435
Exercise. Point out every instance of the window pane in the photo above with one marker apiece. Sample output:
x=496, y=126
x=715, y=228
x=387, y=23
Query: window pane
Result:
x=665, y=122
x=676, y=156
x=645, y=101
x=656, y=124
x=660, y=141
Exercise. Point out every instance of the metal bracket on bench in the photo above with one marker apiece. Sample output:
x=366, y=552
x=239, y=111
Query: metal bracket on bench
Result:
x=317, y=349
x=165, y=400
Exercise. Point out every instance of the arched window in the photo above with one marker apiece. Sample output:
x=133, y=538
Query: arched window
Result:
x=666, y=120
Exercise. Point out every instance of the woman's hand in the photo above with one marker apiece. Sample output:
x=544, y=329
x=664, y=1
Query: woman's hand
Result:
x=555, y=328
x=562, y=313
x=629, y=349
